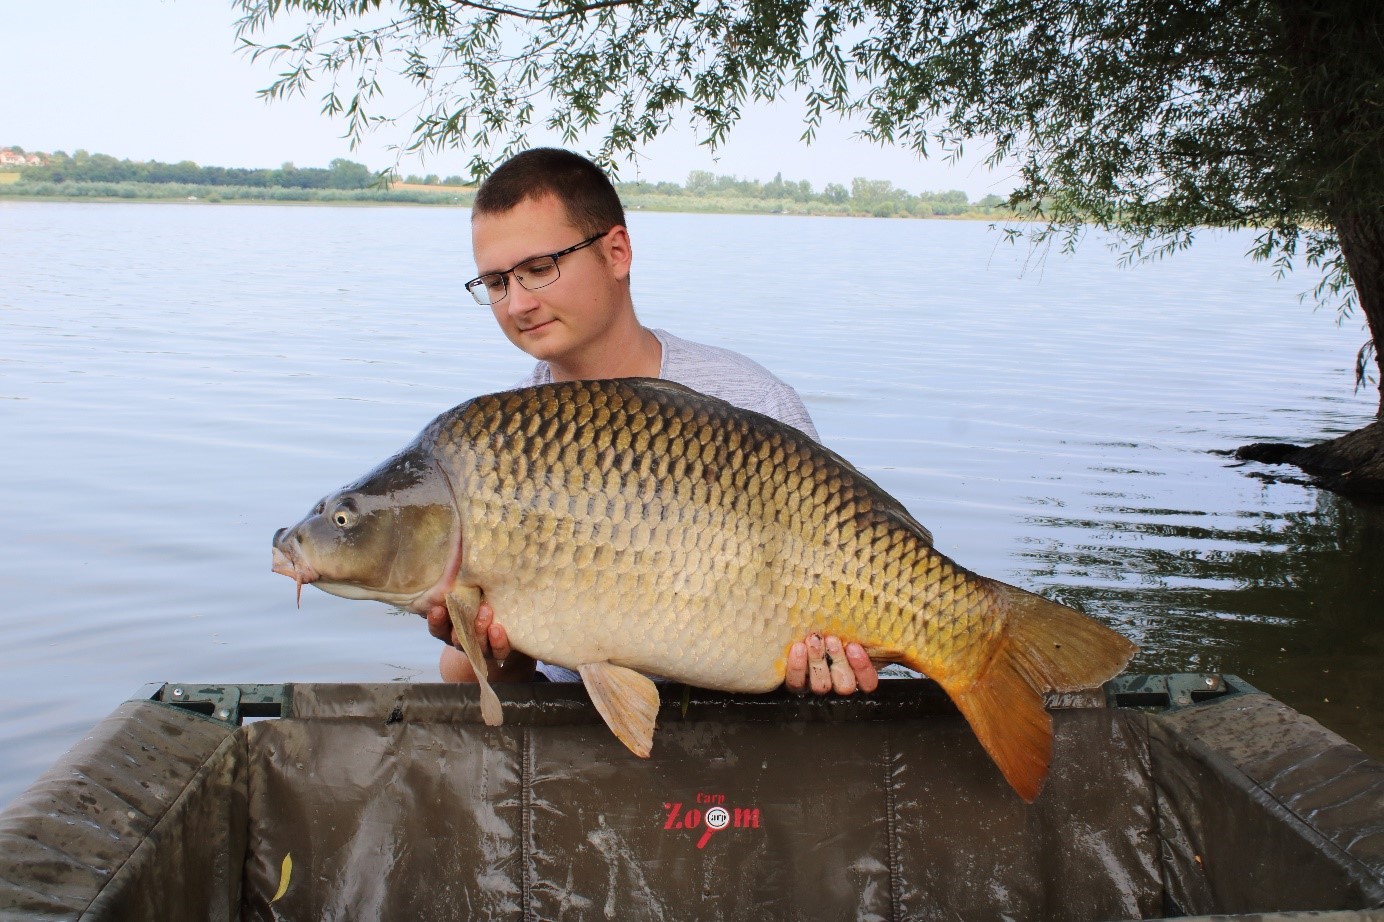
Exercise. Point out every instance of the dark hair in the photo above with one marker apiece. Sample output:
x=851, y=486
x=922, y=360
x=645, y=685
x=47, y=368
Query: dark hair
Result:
x=591, y=201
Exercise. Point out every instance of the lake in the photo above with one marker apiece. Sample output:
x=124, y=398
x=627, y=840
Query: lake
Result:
x=179, y=380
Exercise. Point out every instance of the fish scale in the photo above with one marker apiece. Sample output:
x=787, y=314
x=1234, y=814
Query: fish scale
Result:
x=634, y=526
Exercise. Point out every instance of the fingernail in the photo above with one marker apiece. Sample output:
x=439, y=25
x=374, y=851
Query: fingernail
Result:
x=834, y=644
x=814, y=642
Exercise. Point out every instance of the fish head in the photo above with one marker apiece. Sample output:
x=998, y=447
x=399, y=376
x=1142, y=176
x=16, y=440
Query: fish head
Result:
x=391, y=536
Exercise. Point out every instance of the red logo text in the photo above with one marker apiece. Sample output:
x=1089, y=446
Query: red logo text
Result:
x=710, y=814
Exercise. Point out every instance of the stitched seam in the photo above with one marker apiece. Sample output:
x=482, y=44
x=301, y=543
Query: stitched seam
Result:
x=891, y=831
x=525, y=826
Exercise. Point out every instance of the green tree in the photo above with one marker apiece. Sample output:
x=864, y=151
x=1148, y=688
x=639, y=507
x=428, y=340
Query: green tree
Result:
x=700, y=181
x=1149, y=118
x=346, y=174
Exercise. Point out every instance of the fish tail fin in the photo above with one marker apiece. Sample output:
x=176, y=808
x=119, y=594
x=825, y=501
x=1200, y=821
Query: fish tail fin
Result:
x=1007, y=715
x=1059, y=648
x=1044, y=647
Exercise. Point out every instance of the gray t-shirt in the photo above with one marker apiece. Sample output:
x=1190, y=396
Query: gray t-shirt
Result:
x=721, y=373
x=712, y=370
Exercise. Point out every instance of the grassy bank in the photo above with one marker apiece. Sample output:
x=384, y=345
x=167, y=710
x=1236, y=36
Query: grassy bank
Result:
x=635, y=197
x=637, y=201
x=172, y=192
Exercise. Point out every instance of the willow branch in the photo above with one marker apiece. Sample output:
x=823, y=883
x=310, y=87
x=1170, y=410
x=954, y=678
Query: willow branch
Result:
x=517, y=13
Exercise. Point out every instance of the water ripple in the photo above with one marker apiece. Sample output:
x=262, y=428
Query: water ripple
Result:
x=176, y=383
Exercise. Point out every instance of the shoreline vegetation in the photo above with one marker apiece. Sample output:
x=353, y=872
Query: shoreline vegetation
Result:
x=100, y=177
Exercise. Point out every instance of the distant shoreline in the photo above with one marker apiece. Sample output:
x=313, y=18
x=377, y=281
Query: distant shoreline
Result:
x=436, y=196
x=100, y=177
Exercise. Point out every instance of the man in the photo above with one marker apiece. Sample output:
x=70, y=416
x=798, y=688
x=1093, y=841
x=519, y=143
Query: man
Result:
x=549, y=238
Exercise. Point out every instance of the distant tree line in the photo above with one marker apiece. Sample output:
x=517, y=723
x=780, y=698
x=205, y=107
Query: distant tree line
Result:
x=877, y=197
x=84, y=167
x=432, y=179
x=102, y=176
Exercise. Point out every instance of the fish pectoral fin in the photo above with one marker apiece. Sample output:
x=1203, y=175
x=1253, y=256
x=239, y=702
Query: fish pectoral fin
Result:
x=462, y=605
x=628, y=701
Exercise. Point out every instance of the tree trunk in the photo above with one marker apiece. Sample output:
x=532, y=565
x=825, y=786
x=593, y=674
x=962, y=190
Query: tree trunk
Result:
x=1360, y=232
x=1354, y=463
x=1319, y=36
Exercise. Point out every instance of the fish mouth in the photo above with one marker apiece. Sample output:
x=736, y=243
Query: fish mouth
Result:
x=290, y=565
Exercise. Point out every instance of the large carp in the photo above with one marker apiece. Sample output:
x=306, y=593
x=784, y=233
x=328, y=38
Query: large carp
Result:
x=635, y=526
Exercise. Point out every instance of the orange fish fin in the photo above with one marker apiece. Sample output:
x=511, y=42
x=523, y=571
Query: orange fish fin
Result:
x=462, y=605
x=1058, y=648
x=1007, y=715
x=1044, y=647
x=627, y=700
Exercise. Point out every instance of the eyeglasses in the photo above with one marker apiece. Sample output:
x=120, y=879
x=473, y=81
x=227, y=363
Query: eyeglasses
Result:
x=533, y=274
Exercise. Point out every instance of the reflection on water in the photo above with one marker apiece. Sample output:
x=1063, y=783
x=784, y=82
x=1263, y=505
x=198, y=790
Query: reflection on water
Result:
x=178, y=381
x=1290, y=601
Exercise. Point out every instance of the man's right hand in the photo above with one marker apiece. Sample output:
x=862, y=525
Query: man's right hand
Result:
x=823, y=665
x=503, y=663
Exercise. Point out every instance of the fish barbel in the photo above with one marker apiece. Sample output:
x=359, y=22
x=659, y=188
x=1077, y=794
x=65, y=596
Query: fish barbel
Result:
x=630, y=527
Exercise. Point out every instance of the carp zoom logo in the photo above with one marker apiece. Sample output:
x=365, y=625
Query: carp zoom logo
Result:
x=708, y=816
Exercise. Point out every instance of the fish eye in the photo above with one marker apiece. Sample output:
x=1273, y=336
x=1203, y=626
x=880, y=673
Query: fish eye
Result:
x=344, y=515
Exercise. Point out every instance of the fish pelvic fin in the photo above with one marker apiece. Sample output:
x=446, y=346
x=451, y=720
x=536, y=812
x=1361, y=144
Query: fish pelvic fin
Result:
x=462, y=605
x=628, y=701
x=1044, y=647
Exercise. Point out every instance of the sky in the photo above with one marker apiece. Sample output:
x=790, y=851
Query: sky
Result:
x=162, y=80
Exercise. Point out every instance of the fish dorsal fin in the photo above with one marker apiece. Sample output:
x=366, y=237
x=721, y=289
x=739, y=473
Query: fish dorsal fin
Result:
x=665, y=386
x=462, y=605
x=627, y=700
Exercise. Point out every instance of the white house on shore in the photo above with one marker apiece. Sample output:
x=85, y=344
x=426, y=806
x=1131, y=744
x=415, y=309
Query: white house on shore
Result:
x=10, y=158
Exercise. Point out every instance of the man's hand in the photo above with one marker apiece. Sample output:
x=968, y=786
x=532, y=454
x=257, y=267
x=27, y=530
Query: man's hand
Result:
x=502, y=662
x=849, y=669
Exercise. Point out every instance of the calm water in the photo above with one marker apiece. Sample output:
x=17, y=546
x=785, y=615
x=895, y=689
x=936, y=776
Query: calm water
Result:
x=177, y=381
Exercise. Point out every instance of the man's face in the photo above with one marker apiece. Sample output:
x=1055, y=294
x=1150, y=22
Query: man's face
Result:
x=566, y=321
